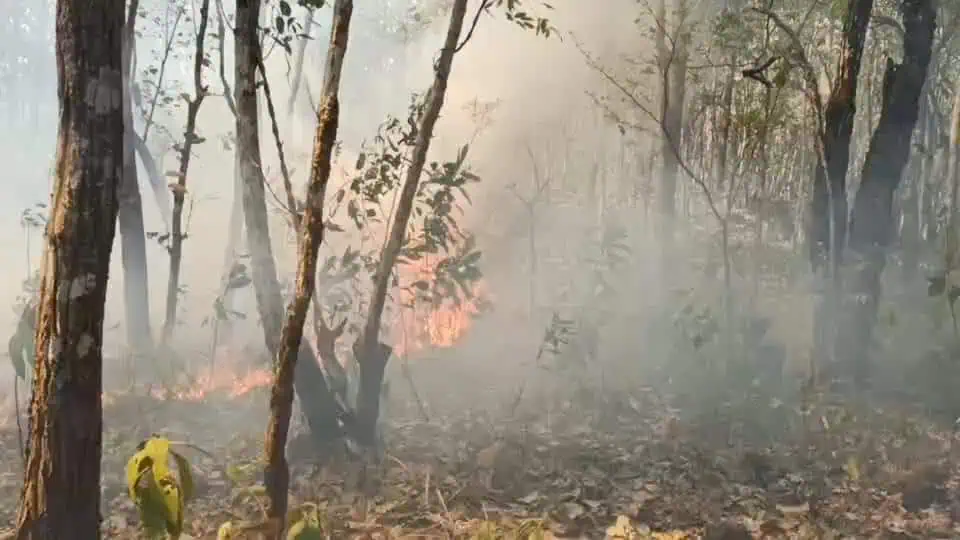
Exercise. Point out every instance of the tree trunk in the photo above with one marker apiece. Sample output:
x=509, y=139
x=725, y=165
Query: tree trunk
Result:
x=133, y=241
x=61, y=492
x=871, y=224
x=316, y=401
x=723, y=144
x=673, y=73
x=951, y=252
x=190, y=138
x=828, y=213
x=311, y=236
x=371, y=353
x=838, y=131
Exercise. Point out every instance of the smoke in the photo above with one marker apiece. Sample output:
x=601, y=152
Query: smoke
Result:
x=539, y=115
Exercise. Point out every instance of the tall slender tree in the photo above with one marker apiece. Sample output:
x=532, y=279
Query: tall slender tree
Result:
x=316, y=401
x=61, y=492
x=311, y=236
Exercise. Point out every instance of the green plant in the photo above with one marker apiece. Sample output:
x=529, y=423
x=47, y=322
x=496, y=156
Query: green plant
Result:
x=159, y=495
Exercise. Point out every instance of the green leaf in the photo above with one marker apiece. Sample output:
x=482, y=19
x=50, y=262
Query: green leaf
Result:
x=285, y=8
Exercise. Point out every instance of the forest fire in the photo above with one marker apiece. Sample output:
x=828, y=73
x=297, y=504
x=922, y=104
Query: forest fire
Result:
x=419, y=327
x=217, y=380
x=424, y=326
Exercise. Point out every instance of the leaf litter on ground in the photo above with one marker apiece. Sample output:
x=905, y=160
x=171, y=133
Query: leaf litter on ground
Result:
x=630, y=469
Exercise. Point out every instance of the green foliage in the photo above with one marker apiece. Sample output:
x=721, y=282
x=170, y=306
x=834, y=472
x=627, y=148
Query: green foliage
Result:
x=284, y=24
x=159, y=495
x=433, y=232
x=515, y=13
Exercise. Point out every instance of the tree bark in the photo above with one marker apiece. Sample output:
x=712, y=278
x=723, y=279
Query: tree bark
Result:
x=827, y=227
x=61, y=492
x=311, y=236
x=837, y=134
x=316, y=401
x=371, y=353
x=672, y=62
x=133, y=241
x=871, y=224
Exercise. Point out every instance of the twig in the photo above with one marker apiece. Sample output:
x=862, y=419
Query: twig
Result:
x=284, y=171
x=167, y=48
x=221, y=32
x=473, y=25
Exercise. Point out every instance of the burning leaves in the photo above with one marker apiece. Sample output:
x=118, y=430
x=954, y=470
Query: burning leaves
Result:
x=438, y=309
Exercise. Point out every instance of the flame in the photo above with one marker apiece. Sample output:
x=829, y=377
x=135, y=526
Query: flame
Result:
x=227, y=377
x=427, y=326
x=421, y=328
x=221, y=380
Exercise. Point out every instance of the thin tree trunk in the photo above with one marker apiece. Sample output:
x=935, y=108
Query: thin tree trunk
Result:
x=311, y=236
x=190, y=138
x=371, y=353
x=316, y=400
x=952, y=251
x=133, y=242
x=61, y=492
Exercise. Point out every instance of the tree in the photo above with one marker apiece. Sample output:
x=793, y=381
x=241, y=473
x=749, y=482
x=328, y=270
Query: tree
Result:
x=871, y=222
x=190, y=138
x=318, y=404
x=310, y=229
x=133, y=242
x=829, y=201
x=672, y=65
x=371, y=353
x=61, y=492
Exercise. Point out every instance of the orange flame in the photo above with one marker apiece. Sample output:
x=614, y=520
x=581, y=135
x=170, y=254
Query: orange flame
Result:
x=219, y=380
x=427, y=326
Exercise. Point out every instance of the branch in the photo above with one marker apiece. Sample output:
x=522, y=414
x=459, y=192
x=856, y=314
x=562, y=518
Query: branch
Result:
x=473, y=25
x=284, y=171
x=711, y=203
x=157, y=182
x=221, y=31
x=167, y=48
x=812, y=90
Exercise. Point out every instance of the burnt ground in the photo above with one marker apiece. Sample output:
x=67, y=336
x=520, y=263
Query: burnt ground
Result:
x=570, y=469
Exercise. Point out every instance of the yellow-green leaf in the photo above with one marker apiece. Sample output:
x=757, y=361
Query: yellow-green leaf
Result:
x=173, y=506
x=225, y=532
x=186, y=476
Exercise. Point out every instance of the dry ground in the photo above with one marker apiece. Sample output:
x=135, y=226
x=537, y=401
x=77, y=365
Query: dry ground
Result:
x=570, y=470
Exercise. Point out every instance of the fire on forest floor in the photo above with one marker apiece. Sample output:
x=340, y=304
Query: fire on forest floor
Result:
x=574, y=471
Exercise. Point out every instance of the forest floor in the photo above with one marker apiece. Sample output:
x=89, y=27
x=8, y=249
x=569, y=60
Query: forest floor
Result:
x=628, y=469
